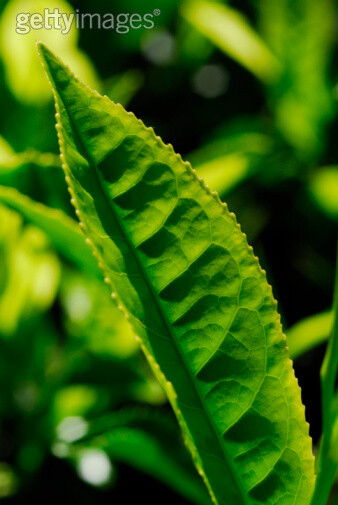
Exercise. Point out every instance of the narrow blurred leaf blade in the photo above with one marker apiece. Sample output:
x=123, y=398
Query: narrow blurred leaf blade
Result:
x=63, y=231
x=143, y=452
x=122, y=88
x=225, y=172
x=326, y=465
x=30, y=272
x=230, y=32
x=148, y=440
x=302, y=34
x=309, y=333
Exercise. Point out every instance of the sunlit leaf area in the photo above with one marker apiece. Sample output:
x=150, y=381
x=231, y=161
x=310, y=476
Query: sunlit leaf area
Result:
x=141, y=352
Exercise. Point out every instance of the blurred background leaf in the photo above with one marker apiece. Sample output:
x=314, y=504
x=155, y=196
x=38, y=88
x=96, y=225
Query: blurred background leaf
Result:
x=309, y=333
x=229, y=30
x=23, y=72
x=301, y=34
x=323, y=187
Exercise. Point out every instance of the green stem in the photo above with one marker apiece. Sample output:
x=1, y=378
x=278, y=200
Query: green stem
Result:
x=326, y=467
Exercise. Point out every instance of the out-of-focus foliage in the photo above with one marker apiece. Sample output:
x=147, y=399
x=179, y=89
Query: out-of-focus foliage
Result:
x=87, y=306
x=301, y=35
x=231, y=157
x=30, y=273
x=229, y=30
x=63, y=231
x=22, y=68
x=323, y=187
x=147, y=440
x=122, y=87
x=309, y=333
x=264, y=136
x=11, y=161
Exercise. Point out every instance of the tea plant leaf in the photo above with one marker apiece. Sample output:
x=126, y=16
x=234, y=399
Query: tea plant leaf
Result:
x=229, y=30
x=308, y=333
x=62, y=230
x=195, y=295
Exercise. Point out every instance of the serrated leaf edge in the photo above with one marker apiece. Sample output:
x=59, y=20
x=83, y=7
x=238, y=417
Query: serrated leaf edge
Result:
x=167, y=385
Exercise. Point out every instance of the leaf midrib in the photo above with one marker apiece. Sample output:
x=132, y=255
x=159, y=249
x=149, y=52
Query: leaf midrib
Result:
x=161, y=311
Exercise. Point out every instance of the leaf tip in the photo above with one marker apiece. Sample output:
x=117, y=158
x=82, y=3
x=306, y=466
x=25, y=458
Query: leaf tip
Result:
x=44, y=53
x=55, y=69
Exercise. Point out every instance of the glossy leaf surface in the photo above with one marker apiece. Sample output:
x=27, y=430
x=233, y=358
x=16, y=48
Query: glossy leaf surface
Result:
x=195, y=295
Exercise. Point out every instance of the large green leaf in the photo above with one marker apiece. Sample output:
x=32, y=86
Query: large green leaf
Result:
x=195, y=295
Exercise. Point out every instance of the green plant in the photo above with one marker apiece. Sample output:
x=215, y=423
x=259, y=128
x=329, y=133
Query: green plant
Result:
x=195, y=296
